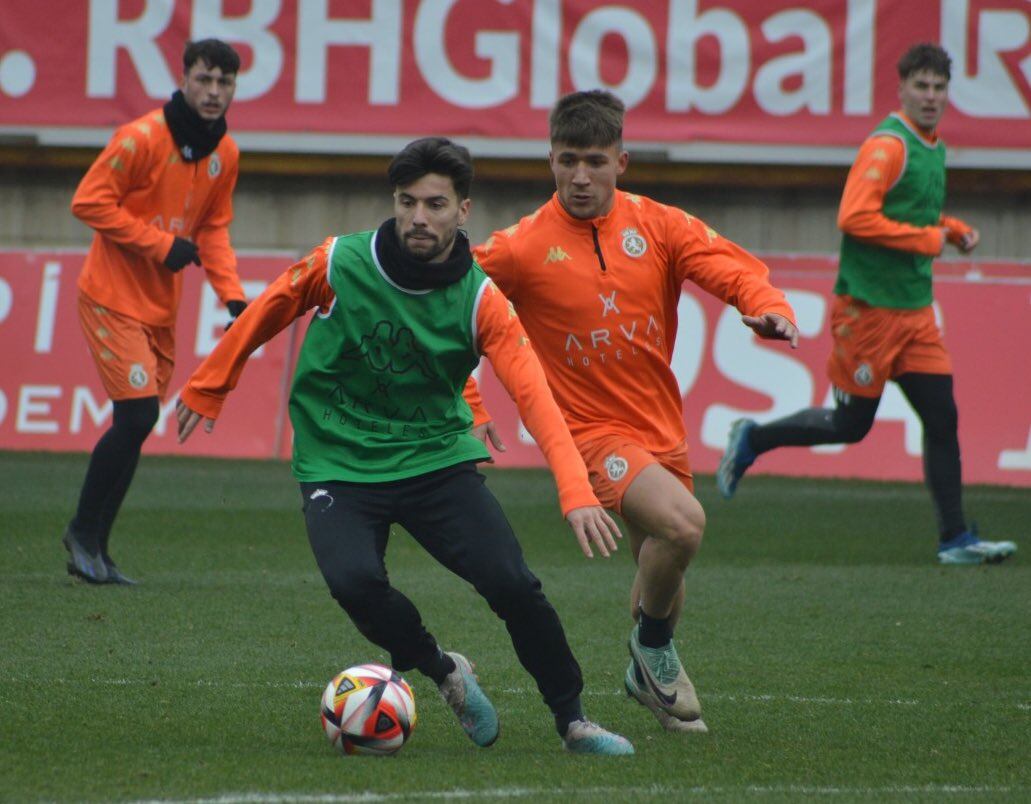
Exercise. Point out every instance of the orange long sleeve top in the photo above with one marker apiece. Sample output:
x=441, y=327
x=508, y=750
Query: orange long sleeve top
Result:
x=877, y=166
x=137, y=197
x=599, y=300
x=501, y=338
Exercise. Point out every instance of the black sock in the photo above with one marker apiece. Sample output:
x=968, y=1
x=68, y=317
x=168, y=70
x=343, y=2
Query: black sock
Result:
x=654, y=632
x=570, y=712
x=437, y=667
x=111, y=468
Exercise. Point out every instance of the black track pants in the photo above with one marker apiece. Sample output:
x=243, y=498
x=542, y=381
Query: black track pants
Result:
x=456, y=519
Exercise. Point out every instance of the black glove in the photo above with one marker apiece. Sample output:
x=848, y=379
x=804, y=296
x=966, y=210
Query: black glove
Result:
x=181, y=254
x=235, y=308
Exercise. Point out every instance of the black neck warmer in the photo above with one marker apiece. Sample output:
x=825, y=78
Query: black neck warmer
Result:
x=412, y=273
x=195, y=137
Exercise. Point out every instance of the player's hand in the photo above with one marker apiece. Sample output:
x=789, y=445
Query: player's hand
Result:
x=592, y=524
x=488, y=434
x=181, y=254
x=235, y=308
x=969, y=241
x=188, y=419
x=773, y=326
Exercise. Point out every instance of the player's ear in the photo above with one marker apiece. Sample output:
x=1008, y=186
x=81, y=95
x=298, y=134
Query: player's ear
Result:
x=464, y=207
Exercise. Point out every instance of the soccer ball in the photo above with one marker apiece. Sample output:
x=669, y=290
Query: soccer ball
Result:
x=368, y=709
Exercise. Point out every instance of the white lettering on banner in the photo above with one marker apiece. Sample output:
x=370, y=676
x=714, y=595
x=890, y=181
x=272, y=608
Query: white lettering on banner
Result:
x=691, y=343
x=642, y=62
x=859, y=56
x=251, y=29
x=381, y=33
x=47, y=313
x=500, y=49
x=991, y=92
x=108, y=35
x=31, y=402
x=813, y=63
x=685, y=29
x=212, y=317
x=1017, y=459
x=546, y=36
x=83, y=401
x=6, y=299
x=3, y=407
x=762, y=367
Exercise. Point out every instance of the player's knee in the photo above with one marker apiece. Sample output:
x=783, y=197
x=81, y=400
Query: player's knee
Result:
x=136, y=417
x=510, y=591
x=354, y=591
x=685, y=526
x=852, y=430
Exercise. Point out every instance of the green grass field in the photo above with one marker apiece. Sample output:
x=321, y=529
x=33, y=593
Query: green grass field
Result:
x=834, y=657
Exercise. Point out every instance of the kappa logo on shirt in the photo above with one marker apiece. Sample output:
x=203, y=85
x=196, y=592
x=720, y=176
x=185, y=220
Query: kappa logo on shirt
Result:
x=556, y=254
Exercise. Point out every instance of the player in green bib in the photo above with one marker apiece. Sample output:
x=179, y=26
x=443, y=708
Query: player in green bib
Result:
x=883, y=324
x=382, y=434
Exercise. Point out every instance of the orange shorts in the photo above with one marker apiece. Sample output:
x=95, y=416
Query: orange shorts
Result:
x=614, y=461
x=875, y=344
x=135, y=360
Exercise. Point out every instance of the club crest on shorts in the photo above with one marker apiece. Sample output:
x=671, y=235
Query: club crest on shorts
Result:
x=137, y=375
x=633, y=244
x=615, y=467
x=863, y=375
x=214, y=166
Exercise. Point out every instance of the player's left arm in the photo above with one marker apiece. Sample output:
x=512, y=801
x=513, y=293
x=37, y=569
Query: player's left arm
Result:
x=504, y=342
x=212, y=237
x=732, y=274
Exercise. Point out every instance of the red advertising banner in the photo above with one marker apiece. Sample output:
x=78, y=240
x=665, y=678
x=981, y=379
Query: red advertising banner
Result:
x=751, y=80
x=51, y=399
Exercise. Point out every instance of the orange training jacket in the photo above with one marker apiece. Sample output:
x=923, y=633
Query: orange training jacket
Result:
x=137, y=197
x=599, y=301
x=874, y=172
x=501, y=338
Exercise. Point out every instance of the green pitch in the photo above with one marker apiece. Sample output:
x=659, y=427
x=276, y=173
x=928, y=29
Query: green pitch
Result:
x=833, y=657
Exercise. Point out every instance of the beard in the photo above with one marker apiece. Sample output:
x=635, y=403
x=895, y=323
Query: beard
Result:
x=425, y=249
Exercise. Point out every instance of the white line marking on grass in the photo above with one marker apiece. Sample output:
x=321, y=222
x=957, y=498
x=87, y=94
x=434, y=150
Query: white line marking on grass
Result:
x=560, y=792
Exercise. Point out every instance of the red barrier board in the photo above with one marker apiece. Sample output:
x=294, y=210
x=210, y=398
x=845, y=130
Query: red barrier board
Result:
x=726, y=373
x=738, y=73
x=51, y=399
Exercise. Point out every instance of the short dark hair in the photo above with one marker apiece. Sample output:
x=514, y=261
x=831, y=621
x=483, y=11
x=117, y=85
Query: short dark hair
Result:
x=588, y=119
x=925, y=56
x=433, y=155
x=214, y=53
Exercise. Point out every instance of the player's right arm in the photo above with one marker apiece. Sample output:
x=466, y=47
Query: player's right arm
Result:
x=503, y=340
x=121, y=166
x=301, y=287
x=878, y=165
